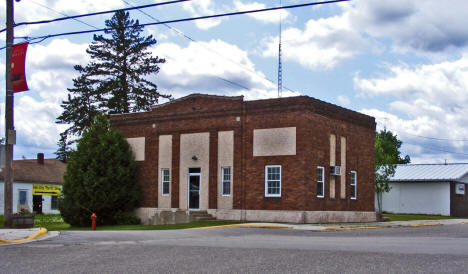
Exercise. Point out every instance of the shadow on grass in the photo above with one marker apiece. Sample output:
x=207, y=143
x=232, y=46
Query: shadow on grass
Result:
x=415, y=217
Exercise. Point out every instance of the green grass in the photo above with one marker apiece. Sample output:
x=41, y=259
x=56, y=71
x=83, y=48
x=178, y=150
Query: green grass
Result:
x=413, y=217
x=158, y=227
x=55, y=222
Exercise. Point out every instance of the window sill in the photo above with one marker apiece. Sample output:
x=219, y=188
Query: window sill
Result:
x=165, y=195
x=320, y=197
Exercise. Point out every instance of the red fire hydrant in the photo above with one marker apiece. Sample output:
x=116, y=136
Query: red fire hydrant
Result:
x=93, y=221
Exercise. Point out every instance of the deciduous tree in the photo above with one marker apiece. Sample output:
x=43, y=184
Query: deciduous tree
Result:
x=387, y=156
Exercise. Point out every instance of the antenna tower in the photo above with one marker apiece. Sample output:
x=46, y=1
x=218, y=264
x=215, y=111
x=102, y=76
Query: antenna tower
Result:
x=280, y=66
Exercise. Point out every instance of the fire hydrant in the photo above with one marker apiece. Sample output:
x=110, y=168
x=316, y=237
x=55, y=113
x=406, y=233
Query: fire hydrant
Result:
x=93, y=221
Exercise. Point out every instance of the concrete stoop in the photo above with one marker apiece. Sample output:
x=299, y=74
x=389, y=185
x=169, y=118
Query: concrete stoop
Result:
x=164, y=217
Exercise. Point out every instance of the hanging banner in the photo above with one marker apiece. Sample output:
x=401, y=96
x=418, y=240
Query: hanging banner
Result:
x=18, y=64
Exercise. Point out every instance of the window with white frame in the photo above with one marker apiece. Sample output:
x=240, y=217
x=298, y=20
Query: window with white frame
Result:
x=226, y=179
x=165, y=180
x=320, y=181
x=273, y=181
x=353, y=190
x=53, y=203
x=23, y=197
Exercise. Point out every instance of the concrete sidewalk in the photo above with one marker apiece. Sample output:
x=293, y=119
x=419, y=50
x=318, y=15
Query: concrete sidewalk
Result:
x=12, y=236
x=349, y=226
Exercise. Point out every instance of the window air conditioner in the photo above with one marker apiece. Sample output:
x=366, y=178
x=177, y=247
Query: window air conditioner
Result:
x=335, y=170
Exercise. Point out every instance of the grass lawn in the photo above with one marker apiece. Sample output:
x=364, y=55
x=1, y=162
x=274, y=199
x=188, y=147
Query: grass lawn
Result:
x=413, y=217
x=55, y=222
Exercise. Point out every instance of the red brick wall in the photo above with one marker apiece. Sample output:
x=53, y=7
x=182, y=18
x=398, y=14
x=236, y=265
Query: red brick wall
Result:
x=314, y=121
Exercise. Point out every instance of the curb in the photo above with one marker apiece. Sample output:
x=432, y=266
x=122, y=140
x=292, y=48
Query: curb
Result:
x=243, y=225
x=326, y=228
x=42, y=231
x=353, y=227
x=419, y=225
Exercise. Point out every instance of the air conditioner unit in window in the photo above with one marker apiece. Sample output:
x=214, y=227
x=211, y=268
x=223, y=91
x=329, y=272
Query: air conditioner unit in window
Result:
x=335, y=170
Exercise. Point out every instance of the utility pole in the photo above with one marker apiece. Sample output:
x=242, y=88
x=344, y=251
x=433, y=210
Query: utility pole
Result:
x=9, y=126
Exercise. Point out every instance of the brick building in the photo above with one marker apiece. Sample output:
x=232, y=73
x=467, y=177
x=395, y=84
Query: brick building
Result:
x=263, y=160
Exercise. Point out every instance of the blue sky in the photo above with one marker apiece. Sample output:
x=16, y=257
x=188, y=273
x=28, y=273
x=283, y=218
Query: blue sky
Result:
x=405, y=62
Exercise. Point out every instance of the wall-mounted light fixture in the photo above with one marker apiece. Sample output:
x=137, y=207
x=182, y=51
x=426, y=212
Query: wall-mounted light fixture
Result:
x=194, y=158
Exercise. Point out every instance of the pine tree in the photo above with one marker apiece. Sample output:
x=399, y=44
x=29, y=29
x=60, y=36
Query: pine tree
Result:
x=64, y=150
x=100, y=177
x=115, y=80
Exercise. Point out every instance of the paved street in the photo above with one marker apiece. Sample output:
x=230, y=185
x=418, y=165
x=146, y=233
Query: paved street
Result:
x=411, y=249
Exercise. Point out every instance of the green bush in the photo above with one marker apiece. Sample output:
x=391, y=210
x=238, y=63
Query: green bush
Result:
x=126, y=219
x=100, y=177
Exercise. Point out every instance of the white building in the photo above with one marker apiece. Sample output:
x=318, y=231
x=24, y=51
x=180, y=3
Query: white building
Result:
x=428, y=189
x=37, y=184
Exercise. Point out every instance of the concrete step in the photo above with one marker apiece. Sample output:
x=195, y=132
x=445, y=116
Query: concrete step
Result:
x=201, y=216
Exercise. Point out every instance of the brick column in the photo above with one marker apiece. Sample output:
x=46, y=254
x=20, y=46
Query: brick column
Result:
x=213, y=178
x=175, y=170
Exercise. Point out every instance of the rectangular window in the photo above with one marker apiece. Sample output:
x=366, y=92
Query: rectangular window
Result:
x=353, y=184
x=23, y=197
x=226, y=176
x=273, y=181
x=320, y=181
x=165, y=181
x=53, y=202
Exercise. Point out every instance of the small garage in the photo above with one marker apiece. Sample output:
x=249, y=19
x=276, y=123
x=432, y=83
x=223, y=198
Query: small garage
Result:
x=428, y=189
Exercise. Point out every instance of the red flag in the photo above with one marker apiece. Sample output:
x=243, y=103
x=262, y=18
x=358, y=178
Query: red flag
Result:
x=18, y=60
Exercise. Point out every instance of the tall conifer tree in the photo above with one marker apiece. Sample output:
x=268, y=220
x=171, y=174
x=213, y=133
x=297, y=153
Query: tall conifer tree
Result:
x=116, y=79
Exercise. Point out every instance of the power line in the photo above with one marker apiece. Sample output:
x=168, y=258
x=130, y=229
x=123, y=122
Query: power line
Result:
x=192, y=19
x=438, y=139
x=430, y=138
x=211, y=50
x=197, y=18
x=438, y=149
x=421, y=136
x=191, y=39
x=96, y=13
x=77, y=20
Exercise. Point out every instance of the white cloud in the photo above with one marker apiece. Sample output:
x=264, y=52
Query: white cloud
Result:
x=264, y=17
x=49, y=70
x=50, y=67
x=417, y=143
x=430, y=101
x=443, y=84
x=197, y=68
x=321, y=45
x=428, y=26
x=201, y=8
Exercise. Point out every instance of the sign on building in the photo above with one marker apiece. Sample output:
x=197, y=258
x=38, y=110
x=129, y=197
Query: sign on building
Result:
x=460, y=189
x=51, y=190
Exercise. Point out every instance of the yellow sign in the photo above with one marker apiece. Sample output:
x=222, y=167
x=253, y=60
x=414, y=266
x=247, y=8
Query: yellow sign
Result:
x=52, y=190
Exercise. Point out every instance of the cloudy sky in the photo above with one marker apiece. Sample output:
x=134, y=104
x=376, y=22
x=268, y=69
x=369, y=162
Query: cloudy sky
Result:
x=405, y=62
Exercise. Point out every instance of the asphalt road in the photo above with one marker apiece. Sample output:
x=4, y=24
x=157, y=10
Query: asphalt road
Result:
x=245, y=250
